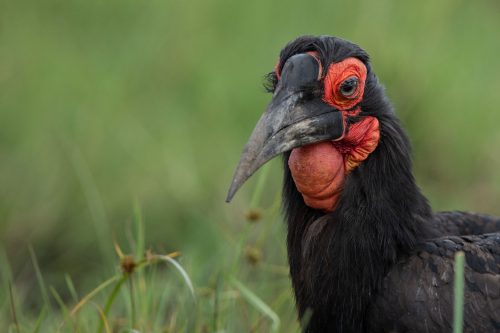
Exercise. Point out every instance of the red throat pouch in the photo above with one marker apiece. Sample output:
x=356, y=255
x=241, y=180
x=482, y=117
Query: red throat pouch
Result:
x=319, y=169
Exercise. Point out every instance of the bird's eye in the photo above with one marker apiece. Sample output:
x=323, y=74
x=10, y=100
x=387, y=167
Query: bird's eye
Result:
x=349, y=87
x=344, y=83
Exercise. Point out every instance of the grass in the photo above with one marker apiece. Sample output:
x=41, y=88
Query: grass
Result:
x=458, y=299
x=145, y=295
x=106, y=104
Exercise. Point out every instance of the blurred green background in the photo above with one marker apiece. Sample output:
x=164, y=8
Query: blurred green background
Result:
x=104, y=104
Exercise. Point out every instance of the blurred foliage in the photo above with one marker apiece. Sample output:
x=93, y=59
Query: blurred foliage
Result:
x=104, y=104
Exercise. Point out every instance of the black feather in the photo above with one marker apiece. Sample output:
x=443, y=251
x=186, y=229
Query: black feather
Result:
x=339, y=262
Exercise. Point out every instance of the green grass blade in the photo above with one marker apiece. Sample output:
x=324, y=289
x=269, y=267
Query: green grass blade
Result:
x=218, y=283
x=6, y=271
x=133, y=307
x=138, y=294
x=39, y=277
x=93, y=198
x=458, y=306
x=259, y=187
x=94, y=292
x=13, y=309
x=257, y=303
x=111, y=300
x=139, y=223
x=40, y=319
x=59, y=301
x=181, y=270
x=162, y=306
x=103, y=317
x=71, y=287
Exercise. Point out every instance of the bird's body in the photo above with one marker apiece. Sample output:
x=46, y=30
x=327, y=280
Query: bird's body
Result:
x=365, y=250
x=465, y=223
x=427, y=292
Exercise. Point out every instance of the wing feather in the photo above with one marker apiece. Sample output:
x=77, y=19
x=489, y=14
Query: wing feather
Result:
x=465, y=223
x=417, y=294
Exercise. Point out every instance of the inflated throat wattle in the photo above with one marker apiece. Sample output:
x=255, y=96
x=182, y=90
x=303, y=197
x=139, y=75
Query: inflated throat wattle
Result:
x=319, y=169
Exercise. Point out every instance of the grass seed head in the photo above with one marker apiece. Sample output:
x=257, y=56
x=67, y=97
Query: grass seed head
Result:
x=253, y=254
x=128, y=264
x=253, y=215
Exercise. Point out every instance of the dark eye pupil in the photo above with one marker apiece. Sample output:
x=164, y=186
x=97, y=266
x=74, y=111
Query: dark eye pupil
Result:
x=349, y=86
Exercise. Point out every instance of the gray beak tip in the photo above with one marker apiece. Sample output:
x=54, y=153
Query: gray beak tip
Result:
x=235, y=185
x=230, y=195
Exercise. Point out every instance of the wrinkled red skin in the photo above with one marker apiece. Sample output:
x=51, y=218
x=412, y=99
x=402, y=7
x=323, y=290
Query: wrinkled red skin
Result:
x=319, y=169
x=318, y=172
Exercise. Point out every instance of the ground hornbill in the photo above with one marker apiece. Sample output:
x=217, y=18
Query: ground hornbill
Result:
x=366, y=252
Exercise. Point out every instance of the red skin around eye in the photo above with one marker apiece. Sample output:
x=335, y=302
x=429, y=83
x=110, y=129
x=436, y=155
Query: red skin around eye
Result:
x=277, y=69
x=338, y=73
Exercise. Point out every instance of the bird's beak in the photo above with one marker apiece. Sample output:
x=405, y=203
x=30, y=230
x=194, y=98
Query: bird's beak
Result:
x=291, y=120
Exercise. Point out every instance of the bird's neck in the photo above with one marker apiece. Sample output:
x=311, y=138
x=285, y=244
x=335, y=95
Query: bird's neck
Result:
x=338, y=259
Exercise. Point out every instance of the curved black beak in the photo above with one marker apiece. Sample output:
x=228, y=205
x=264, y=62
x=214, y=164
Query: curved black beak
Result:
x=292, y=119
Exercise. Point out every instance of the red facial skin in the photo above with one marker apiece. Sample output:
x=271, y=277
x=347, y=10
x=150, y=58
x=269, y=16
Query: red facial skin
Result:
x=338, y=73
x=319, y=169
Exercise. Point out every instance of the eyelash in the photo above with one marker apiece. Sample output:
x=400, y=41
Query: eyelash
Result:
x=270, y=82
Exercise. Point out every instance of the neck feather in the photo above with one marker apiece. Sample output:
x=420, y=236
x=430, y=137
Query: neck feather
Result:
x=338, y=260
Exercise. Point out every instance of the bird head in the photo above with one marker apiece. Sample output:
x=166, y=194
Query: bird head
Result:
x=323, y=113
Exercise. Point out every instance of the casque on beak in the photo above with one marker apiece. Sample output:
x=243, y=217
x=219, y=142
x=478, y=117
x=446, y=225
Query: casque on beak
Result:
x=291, y=120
